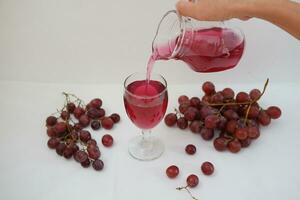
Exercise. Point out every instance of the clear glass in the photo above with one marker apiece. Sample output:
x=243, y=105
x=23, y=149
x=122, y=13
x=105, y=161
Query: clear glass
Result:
x=145, y=111
x=198, y=43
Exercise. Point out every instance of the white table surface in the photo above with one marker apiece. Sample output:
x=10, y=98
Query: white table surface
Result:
x=268, y=169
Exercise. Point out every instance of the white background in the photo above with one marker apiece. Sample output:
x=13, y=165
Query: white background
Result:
x=88, y=48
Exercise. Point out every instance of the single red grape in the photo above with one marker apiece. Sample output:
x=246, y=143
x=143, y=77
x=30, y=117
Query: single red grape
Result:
x=172, y=171
x=253, y=132
x=211, y=121
x=183, y=107
x=98, y=165
x=208, y=88
x=68, y=152
x=65, y=115
x=183, y=99
x=263, y=118
x=195, y=126
x=254, y=94
x=195, y=102
x=93, y=113
x=107, y=123
x=53, y=143
x=222, y=123
x=234, y=146
x=78, y=127
x=78, y=112
x=207, y=168
x=101, y=112
x=274, y=112
x=191, y=114
x=84, y=120
x=228, y=93
x=242, y=97
x=170, y=119
x=86, y=163
x=231, y=115
x=91, y=142
x=205, y=111
x=51, y=132
x=207, y=134
x=190, y=149
x=75, y=148
x=60, y=128
x=231, y=126
x=115, y=117
x=71, y=107
x=95, y=125
x=60, y=148
x=192, y=180
x=220, y=144
x=80, y=156
x=241, y=133
x=96, y=103
x=107, y=140
x=51, y=121
x=84, y=135
x=217, y=98
x=253, y=112
x=182, y=123
x=93, y=152
x=245, y=143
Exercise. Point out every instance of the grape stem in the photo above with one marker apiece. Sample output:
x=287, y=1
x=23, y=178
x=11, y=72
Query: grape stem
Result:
x=77, y=99
x=57, y=113
x=255, y=100
x=177, y=113
x=186, y=188
x=248, y=103
x=220, y=110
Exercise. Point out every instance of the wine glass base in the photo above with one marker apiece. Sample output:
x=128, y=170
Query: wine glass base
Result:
x=145, y=149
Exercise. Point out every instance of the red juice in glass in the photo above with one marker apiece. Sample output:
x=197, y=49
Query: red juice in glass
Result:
x=146, y=103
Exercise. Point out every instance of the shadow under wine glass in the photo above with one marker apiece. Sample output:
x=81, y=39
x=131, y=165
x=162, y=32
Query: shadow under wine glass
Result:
x=145, y=103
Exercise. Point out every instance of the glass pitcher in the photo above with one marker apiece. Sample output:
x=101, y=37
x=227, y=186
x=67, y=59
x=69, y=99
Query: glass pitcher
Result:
x=204, y=46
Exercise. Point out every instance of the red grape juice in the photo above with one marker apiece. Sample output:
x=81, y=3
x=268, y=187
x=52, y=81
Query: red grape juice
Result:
x=205, y=50
x=146, y=103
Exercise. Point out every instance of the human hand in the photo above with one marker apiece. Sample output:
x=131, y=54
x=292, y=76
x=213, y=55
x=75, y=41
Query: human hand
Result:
x=283, y=13
x=214, y=10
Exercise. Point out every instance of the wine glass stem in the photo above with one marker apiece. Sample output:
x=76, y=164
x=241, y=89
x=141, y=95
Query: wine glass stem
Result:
x=146, y=142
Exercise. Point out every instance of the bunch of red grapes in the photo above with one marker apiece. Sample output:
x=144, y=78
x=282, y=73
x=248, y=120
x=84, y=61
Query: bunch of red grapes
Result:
x=68, y=135
x=237, y=118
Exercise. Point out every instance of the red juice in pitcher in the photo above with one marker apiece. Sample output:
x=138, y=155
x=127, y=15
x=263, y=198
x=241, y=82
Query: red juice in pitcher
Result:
x=204, y=50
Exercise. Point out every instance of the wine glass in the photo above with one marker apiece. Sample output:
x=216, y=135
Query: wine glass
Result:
x=145, y=102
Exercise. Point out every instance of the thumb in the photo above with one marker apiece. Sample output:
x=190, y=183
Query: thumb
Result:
x=187, y=8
